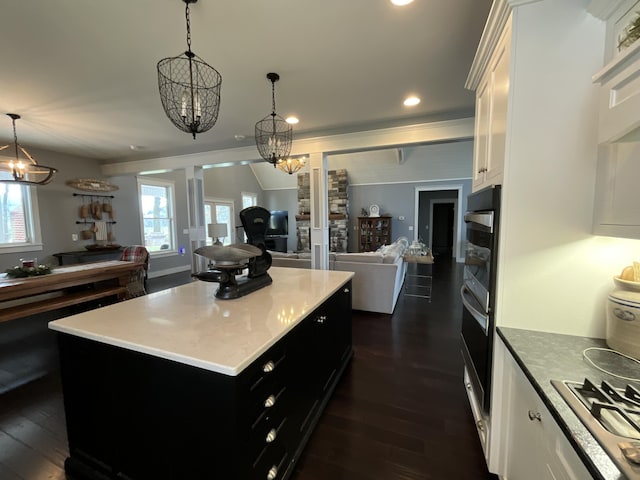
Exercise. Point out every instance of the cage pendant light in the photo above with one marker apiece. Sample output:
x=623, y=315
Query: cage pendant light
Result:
x=273, y=134
x=189, y=88
x=22, y=168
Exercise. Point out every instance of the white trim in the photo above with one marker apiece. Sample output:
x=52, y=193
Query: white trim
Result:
x=498, y=18
x=459, y=216
x=432, y=132
x=229, y=202
x=603, y=9
x=32, y=224
x=411, y=181
x=168, y=271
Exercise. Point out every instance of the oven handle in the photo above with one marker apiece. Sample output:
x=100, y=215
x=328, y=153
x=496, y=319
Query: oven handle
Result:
x=481, y=318
x=485, y=219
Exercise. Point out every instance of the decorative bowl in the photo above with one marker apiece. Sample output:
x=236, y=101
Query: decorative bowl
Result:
x=626, y=284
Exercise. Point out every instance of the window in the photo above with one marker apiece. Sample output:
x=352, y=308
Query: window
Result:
x=249, y=199
x=220, y=211
x=157, y=212
x=19, y=222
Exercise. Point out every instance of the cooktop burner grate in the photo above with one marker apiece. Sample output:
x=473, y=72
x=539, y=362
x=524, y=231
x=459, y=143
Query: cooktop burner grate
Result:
x=612, y=416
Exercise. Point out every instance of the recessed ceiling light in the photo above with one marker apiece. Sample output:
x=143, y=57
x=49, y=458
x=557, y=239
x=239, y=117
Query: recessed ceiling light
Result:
x=411, y=101
x=401, y=3
x=292, y=120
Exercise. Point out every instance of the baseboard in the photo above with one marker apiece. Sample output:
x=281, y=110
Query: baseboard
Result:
x=169, y=271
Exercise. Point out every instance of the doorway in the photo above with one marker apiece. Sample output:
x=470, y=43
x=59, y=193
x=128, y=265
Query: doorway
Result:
x=441, y=218
x=438, y=220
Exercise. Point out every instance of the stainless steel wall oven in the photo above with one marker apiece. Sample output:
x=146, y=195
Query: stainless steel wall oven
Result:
x=478, y=289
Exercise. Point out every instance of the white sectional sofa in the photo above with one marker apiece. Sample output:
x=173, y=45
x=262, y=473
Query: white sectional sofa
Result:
x=378, y=279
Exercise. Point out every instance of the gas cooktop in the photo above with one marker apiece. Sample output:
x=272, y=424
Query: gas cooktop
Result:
x=612, y=416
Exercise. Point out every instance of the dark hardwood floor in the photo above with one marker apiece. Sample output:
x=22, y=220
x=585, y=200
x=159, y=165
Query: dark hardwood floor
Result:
x=399, y=413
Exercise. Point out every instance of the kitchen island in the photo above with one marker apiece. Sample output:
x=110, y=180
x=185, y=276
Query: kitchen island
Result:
x=179, y=384
x=544, y=357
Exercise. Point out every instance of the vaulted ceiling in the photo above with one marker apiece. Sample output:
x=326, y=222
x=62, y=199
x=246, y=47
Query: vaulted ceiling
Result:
x=83, y=73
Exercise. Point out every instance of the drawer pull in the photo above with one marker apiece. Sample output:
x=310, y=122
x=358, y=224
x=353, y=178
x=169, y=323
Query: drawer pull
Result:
x=270, y=401
x=269, y=366
x=480, y=425
x=346, y=290
x=273, y=473
x=271, y=436
x=468, y=385
x=534, y=416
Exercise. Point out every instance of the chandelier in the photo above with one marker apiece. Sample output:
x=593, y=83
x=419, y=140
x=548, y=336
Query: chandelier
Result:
x=291, y=165
x=189, y=88
x=22, y=168
x=273, y=134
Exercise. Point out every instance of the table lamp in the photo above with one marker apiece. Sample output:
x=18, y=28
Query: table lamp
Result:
x=217, y=230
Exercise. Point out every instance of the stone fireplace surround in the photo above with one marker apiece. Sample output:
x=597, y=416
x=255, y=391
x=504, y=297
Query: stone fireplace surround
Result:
x=338, y=211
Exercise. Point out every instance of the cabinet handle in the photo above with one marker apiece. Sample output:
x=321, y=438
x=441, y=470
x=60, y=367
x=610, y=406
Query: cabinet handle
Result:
x=271, y=436
x=270, y=401
x=346, y=290
x=468, y=385
x=269, y=366
x=273, y=473
x=534, y=416
x=321, y=319
x=480, y=425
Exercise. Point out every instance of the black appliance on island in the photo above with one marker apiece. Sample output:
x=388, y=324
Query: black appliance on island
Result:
x=478, y=291
x=229, y=262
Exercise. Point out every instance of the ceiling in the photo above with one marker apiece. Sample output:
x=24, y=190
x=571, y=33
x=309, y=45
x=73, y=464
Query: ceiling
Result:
x=82, y=74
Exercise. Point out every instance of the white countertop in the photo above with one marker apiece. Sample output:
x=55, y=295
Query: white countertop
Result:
x=189, y=325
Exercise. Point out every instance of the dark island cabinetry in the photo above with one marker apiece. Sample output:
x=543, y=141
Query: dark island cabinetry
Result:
x=136, y=416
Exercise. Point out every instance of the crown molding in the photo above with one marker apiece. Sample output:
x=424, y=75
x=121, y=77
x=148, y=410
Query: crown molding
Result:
x=603, y=9
x=498, y=17
x=395, y=137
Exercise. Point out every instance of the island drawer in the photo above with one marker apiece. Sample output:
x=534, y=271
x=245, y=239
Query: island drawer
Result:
x=269, y=366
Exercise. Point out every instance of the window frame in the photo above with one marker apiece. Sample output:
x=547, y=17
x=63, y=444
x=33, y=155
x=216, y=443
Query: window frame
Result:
x=32, y=223
x=252, y=196
x=171, y=205
x=211, y=202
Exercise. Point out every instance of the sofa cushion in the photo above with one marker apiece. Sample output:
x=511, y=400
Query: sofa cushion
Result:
x=365, y=257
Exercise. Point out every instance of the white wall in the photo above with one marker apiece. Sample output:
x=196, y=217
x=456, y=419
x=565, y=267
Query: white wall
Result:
x=554, y=274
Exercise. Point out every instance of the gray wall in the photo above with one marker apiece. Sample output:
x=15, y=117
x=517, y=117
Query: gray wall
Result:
x=58, y=207
x=129, y=229
x=396, y=200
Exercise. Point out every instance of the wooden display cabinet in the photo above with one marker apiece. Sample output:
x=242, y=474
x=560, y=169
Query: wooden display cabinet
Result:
x=373, y=232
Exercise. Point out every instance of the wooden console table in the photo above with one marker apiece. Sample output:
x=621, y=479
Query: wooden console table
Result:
x=21, y=297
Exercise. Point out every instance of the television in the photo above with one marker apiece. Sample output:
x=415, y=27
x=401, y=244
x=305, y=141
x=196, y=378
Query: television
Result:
x=278, y=223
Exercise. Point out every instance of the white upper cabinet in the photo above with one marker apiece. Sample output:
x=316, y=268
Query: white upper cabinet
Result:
x=616, y=209
x=491, y=116
x=620, y=78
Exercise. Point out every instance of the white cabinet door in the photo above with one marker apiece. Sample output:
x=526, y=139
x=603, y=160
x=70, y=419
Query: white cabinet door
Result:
x=499, y=107
x=532, y=445
x=616, y=209
x=482, y=126
x=491, y=117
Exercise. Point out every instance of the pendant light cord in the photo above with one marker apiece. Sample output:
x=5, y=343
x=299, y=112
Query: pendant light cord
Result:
x=15, y=137
x=186, y=13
